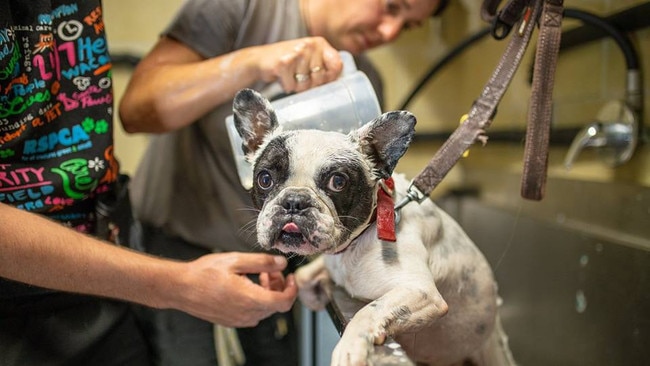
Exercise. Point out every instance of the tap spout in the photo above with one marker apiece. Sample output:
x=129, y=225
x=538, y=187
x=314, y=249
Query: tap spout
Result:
x=614, y=134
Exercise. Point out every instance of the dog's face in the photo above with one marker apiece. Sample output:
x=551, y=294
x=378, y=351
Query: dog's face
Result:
x=316, y=190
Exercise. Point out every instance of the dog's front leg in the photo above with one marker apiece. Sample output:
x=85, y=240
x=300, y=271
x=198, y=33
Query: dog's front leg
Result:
x=314, y=284
x=398, y=310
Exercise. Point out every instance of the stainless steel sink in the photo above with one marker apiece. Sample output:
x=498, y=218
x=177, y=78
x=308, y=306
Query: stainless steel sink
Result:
x=573, y=269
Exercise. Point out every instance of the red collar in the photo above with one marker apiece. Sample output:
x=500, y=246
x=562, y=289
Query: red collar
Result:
x=385, y=212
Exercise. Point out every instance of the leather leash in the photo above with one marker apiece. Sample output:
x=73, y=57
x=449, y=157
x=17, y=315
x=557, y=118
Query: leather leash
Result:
x=525, y=14
x=540, y=109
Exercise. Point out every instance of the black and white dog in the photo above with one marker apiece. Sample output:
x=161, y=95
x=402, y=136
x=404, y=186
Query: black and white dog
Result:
x=432, y=289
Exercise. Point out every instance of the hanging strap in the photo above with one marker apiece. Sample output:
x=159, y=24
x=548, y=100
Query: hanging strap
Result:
x=526, y=13
x=480, y=115
x=533, y=180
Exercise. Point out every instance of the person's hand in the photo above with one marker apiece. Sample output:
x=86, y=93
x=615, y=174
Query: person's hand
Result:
x=300, y=64
x=216, y=288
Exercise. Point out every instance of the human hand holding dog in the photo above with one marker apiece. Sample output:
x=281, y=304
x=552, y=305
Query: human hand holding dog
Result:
x=213, y=287
x=218, y=290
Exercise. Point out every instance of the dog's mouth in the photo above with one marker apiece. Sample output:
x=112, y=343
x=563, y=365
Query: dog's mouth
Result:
x=307, y=232
x=296, y=237
x=291, y=235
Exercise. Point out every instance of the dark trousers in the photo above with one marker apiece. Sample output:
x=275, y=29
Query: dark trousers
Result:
x=66, y=329
x=179, y=339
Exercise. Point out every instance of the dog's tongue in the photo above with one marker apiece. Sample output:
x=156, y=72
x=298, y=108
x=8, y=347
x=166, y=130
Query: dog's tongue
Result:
x=291, y=227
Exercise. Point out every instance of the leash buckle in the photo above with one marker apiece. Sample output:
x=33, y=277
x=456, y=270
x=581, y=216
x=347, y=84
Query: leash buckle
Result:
x=412, y=194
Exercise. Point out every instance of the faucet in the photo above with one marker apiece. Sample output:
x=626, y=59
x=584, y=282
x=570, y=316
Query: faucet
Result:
x=614, y=134
x=617, y=129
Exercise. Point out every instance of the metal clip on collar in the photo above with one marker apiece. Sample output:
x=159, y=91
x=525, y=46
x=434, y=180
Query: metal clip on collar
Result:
x=412, y=194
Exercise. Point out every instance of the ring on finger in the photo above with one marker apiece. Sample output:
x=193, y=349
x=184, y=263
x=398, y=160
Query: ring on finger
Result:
x=301, y=77
x=316, y=69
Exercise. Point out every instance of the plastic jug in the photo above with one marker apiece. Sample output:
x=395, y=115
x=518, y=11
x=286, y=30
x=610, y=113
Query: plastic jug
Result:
x=341, y=105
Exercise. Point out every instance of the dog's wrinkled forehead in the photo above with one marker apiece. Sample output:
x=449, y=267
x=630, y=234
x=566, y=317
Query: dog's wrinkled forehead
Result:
x=307, y=152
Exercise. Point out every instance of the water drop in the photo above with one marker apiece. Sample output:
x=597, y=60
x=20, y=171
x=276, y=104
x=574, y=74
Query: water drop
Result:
x=581, y=302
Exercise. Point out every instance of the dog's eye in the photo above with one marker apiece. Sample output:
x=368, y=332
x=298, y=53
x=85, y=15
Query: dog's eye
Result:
x=264, y=180
x=337, y=182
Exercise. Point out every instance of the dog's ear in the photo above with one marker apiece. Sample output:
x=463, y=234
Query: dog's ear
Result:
x=386, y=138
x=254, y=118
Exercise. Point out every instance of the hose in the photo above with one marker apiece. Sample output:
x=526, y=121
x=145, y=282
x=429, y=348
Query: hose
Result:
x=444, y=61
x=623, y=42
x=634, y=89
x=629, y=52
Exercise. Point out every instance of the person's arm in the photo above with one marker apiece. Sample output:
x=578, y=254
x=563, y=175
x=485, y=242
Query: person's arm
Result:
x=41, y=252
x=173, y=86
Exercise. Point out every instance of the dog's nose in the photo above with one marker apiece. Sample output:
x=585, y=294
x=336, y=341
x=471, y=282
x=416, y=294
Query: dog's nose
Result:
x=296, y=202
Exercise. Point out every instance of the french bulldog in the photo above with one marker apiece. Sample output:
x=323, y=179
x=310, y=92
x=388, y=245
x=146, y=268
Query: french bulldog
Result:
x=431, y=289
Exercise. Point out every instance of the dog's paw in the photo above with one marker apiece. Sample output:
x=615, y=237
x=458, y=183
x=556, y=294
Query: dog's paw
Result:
x=314, y=292
x=314, y=284
x=354, y=348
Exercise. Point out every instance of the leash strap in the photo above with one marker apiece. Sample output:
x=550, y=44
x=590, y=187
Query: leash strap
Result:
x=481, y=113
x=540, y=111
